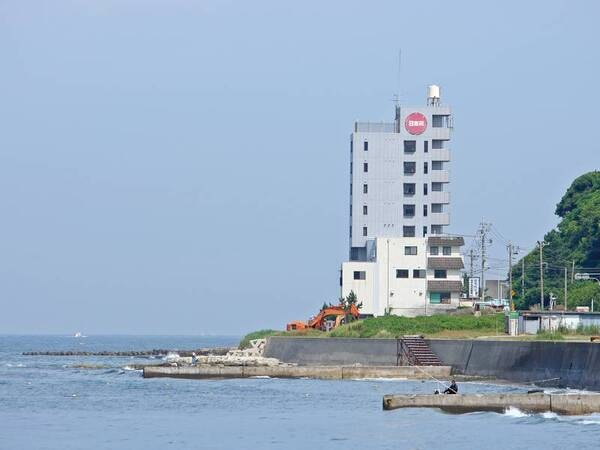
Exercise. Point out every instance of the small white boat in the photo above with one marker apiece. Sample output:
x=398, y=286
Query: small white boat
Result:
x=78, y=334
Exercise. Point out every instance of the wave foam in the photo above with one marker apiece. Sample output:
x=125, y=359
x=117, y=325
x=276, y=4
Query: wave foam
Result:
x=514, y=412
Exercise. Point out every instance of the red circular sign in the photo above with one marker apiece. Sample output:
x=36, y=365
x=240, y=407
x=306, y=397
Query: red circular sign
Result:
x=415, y=123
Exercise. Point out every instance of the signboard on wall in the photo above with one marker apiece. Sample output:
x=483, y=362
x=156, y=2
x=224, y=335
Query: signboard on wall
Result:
x=415, y=123
x=474, y=283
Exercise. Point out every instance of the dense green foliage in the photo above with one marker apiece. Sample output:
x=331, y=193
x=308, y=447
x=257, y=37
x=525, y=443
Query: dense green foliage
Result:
x=393, y=326
x=577, y=238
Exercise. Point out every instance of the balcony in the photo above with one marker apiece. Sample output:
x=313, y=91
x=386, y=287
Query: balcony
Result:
x=444, y=286
x=439, y=176
x=439, y=133
x=439, y=197
x=440, y=154
x=445, y=262
x=440, y=218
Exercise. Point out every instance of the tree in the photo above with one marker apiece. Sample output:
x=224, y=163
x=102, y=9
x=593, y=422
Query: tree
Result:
x=346, y=303
x=576, y=239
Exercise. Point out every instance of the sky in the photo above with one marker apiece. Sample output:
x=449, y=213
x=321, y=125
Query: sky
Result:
x=181, y=166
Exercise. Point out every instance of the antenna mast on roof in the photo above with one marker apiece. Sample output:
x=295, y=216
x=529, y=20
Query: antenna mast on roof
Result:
x=397, y=94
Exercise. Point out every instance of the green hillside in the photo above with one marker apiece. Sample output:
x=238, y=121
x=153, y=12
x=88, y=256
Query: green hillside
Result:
x=576, y=239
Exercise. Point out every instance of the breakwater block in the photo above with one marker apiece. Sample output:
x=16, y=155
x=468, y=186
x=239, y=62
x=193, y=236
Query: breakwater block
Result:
x=568, y=404
x=287, y=371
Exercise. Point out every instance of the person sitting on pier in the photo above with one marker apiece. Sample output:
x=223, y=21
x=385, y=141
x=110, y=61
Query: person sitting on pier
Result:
x=194, y=358
x=452, y=389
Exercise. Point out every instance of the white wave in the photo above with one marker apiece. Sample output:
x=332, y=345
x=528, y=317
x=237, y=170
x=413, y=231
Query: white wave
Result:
x=589, y=422
x=549, y=415
x=261, y=377
x=514, y=412
x=171, y=355
x=132, y=369
x=15, y=365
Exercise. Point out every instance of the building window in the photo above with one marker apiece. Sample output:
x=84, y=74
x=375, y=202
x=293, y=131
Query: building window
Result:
x=351, y=147
x=425, y=167
x=350, y=231
x=410, y=250
x=439, y=297
x=401, y=273
x=365, y=167
x=424, y=210
x=365, y=188
x=365, y=210
x=350, y=209
x=410, y=168
x=419, y=273
x=436, y=187
x=409, y=210
x=439, y=273
x=409, y=189
x=424, y=231
x=364, y=231
x=436, y=229
x=439, y=121
x=446, y=251
x=434, y=250
x=437, y=208
x=437, y=165
x=425, y=189
x=360, y=275
x=437, y=144
x=366, y=146
x=408, y=231
x=410, y=146
x=426, y=146
x=351, y=167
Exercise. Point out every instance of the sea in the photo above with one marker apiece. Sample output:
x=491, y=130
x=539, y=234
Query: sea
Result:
x=49, y=402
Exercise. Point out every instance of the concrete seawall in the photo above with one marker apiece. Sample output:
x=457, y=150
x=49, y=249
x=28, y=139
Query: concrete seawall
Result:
x=559, y=403
x=565, y=364
x=322, y=372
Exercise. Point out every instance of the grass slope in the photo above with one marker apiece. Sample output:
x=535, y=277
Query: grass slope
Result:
x=392, y=326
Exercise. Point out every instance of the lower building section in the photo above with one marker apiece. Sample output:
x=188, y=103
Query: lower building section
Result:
x=406, y=276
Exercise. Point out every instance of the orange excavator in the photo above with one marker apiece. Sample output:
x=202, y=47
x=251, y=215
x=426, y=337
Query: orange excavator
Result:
x=328, y=318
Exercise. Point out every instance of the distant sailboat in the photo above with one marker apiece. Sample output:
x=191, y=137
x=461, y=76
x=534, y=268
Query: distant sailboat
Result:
x=78, y=335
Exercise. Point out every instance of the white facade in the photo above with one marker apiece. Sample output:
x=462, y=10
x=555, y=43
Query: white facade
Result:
x=399, y=177
x=407, y=276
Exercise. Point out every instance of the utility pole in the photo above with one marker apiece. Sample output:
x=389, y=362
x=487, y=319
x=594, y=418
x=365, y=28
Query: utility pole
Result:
x=541, y=245
x=483, y=230
x=566, y=292
x=510, y=290
x=471, y=258
x=523, y=278
x=572, y=271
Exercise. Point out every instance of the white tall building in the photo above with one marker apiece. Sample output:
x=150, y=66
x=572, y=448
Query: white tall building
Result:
x=400, y=260
x=400, y=176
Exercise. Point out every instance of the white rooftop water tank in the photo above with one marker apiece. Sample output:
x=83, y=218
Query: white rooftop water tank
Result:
x=433, y=91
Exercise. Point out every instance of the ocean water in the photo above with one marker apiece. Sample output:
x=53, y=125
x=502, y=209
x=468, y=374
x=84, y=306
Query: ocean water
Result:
x=54, y=403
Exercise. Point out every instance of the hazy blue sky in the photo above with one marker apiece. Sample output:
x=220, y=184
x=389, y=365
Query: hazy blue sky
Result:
x=182, y=166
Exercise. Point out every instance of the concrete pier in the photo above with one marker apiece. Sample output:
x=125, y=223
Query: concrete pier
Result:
x=284, y=371
x=568, y=404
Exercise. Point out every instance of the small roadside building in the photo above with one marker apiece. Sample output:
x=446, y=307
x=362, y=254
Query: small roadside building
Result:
x=532, y=322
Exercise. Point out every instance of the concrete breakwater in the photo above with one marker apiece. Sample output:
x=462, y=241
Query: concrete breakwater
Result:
x=140, y=353
x=573, y=404
x=561, y=364
x=288, y=371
